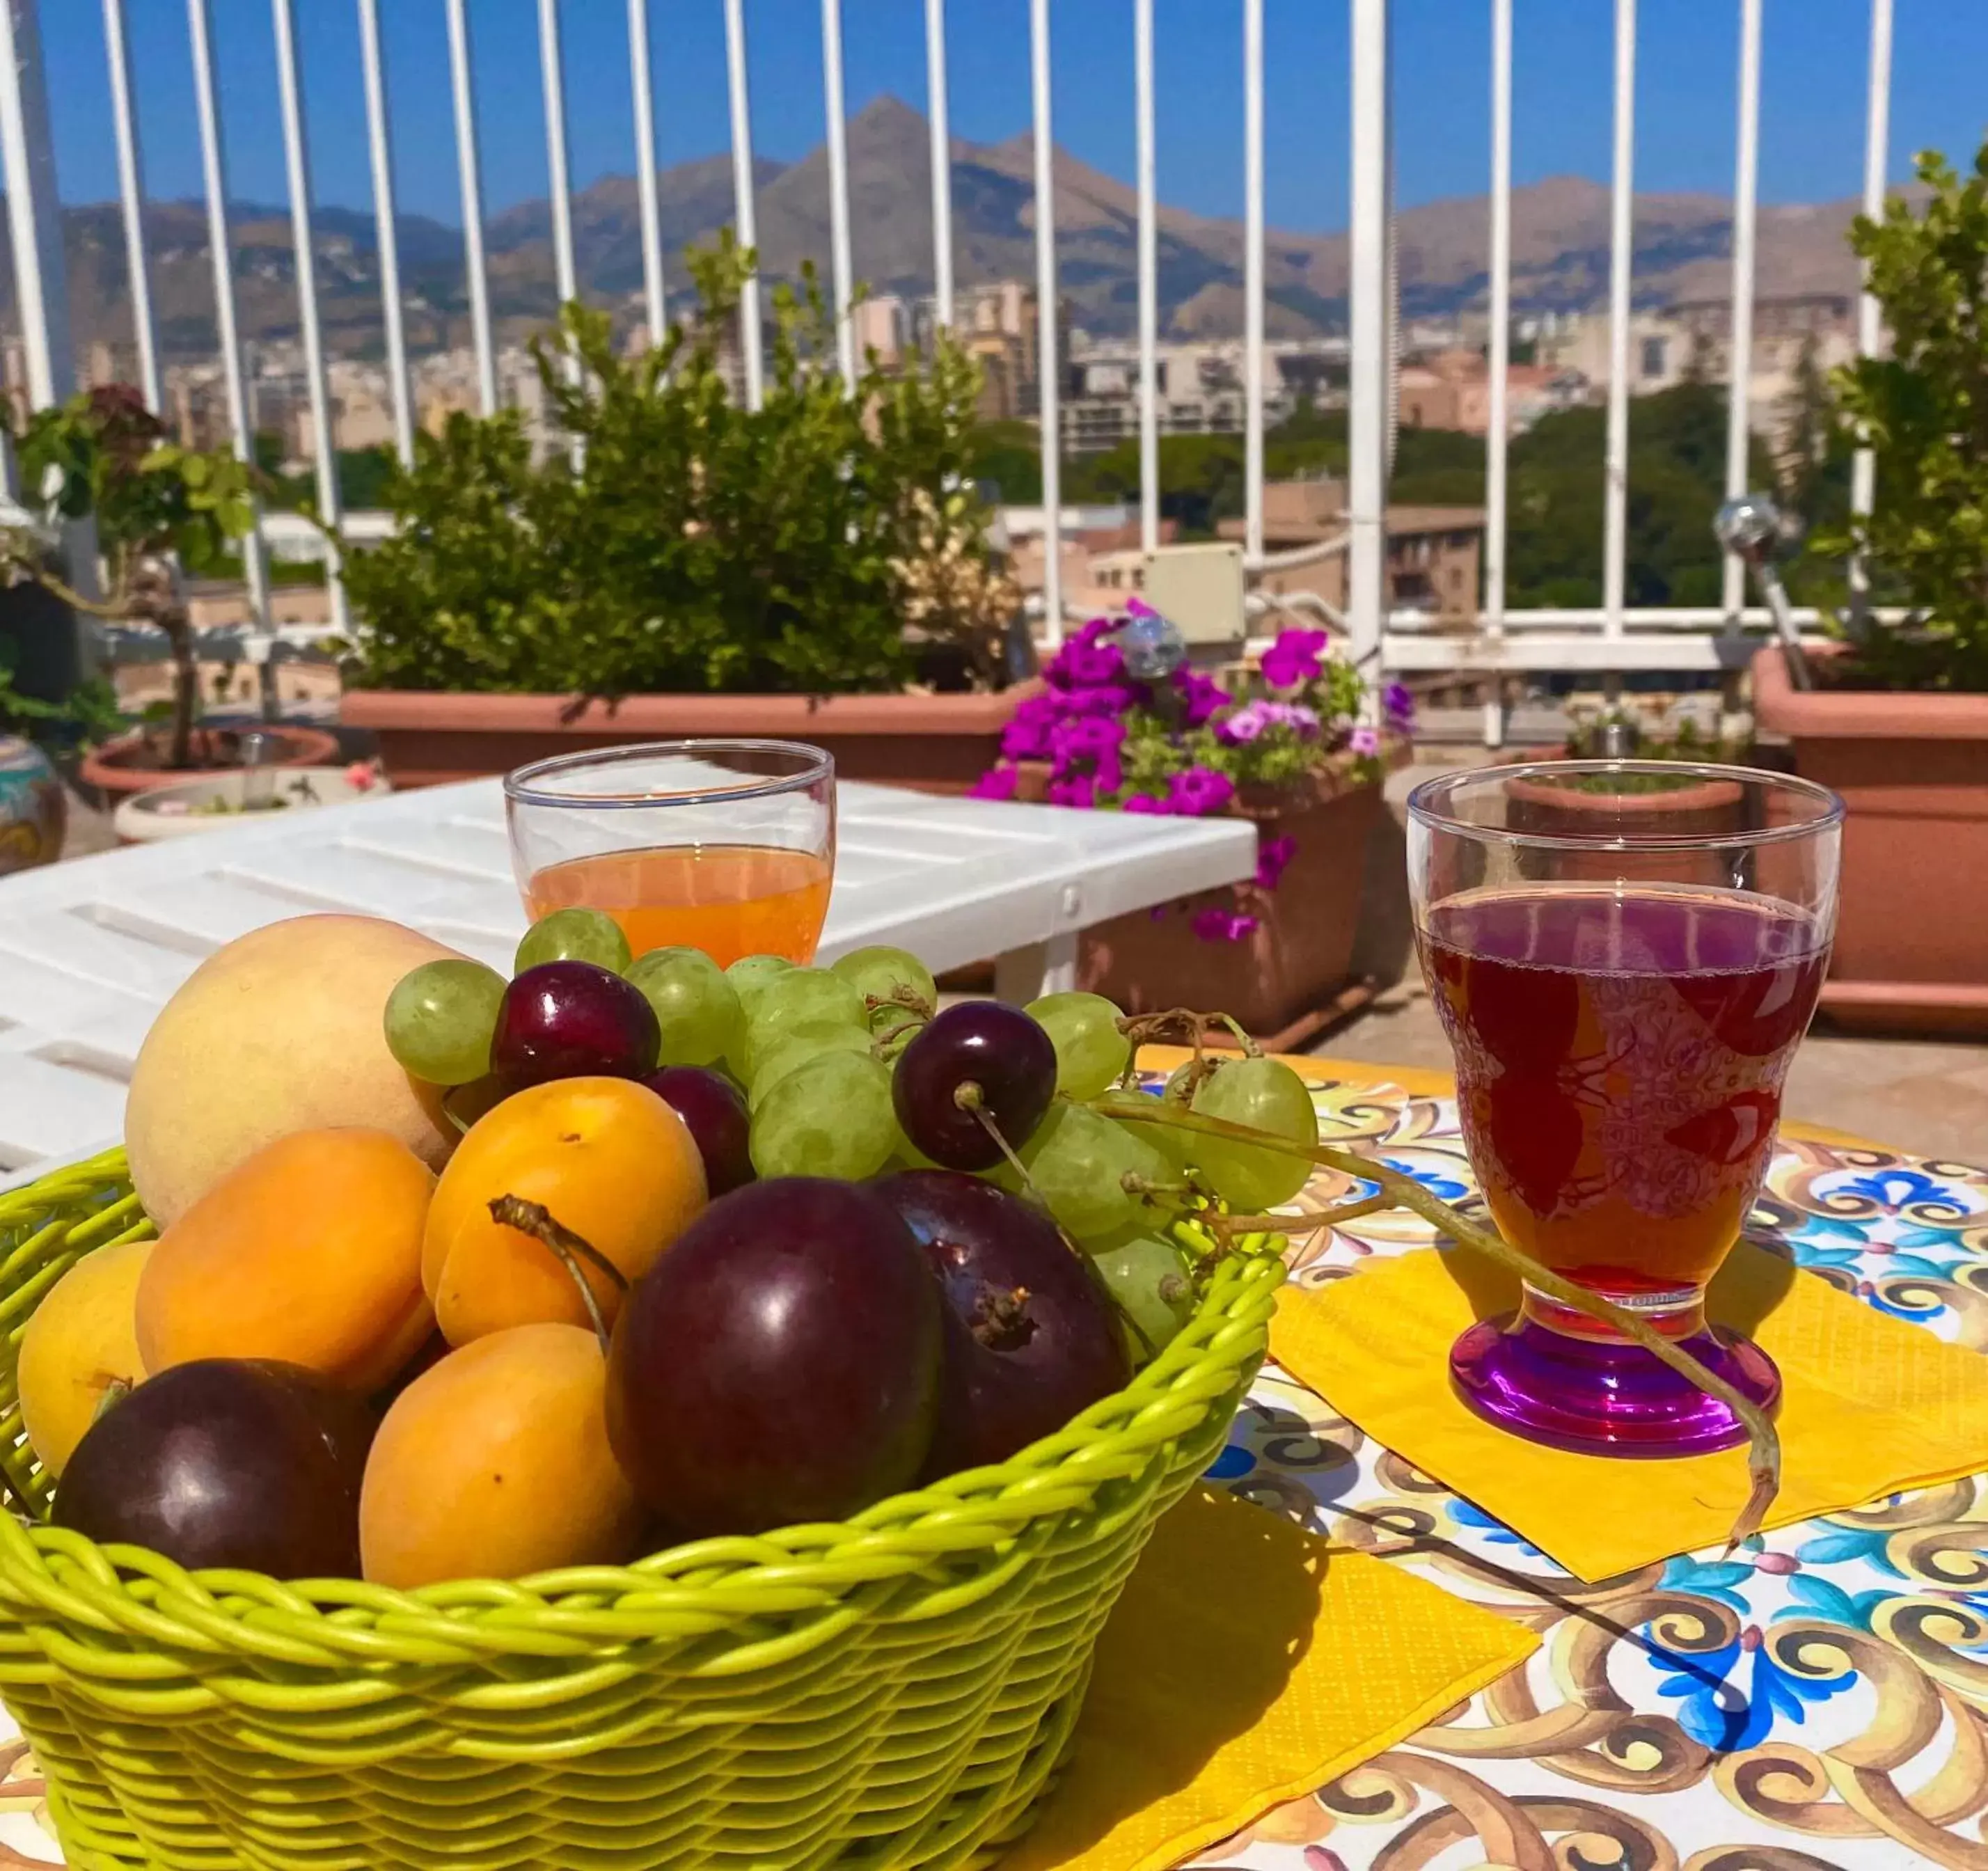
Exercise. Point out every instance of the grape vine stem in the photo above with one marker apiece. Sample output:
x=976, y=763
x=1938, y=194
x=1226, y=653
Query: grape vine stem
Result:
x=1764, y=1446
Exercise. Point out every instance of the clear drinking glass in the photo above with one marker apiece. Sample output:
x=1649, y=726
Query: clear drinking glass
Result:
x=728, y=846
x=1624, y=955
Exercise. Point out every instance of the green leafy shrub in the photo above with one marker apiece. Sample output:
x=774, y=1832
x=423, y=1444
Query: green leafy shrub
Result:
x=1923, y=411
x=686, y=542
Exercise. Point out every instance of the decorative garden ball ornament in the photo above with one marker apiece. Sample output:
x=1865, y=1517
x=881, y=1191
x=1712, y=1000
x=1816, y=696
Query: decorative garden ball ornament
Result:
x=1152, y=648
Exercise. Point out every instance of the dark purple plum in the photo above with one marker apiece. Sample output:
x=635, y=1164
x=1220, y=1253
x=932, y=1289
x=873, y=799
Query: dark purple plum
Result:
x=779, y=1364
x=1032, y=1337
x=571, y=1019
x=997, y=1049
x=246, y=1463
x=713, y=1110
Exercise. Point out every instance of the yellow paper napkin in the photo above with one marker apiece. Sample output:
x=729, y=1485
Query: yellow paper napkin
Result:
x=1870, y=1405
x=1248, y=1662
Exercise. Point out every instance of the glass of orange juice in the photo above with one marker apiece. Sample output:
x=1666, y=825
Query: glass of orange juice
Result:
x=728, y=846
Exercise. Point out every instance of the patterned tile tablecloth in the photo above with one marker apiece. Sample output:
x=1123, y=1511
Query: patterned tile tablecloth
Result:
x=1819, y=1702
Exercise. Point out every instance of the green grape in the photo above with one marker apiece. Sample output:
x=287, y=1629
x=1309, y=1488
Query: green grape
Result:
x=1078, y=1161
x=1267, y=1095
x=1152, y=1280
x=796, y=1047
x=1090, y=1050
x=800, y=997
x=574, y=936
x=439, y=1019
x=751, y=973
x=885, y=975
x=830, y=1116
x=696, y=1006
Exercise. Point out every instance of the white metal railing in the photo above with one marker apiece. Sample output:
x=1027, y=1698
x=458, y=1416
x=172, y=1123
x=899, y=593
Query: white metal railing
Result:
x=1610, y=638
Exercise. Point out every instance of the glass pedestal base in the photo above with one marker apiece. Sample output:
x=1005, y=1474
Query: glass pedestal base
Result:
x=1607, y=1397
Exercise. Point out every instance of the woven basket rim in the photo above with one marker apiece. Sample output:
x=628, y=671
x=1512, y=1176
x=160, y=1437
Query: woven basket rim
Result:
x=680, y=1591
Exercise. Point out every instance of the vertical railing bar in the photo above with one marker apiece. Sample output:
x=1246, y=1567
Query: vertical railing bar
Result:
x=1740, y=345
x=552, y=83
x=379, y=137
x=213, y=169
x=749, y=334
x=641, y=78
x=833, y=109
x=296, y=169
x=1149, y=283
x=1252, y=282
x=34, y=208
x=1620, y=256
x=1498, y=413
x=34, y=224
x=131, y=196
x=1369, y=345
x=941, y=159
x=1870, y=315
x=462, y=86
x=1051, y=416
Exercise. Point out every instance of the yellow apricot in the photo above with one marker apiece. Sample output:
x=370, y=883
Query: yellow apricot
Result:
x=82, y=1339
x=309, y=1252
x=608, y=1158
x=495, y=1464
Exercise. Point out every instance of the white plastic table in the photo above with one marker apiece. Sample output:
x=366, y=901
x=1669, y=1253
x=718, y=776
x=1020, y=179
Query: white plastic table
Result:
x=91, y=949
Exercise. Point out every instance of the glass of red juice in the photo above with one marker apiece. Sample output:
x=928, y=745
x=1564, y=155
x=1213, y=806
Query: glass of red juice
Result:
x=1624, y=955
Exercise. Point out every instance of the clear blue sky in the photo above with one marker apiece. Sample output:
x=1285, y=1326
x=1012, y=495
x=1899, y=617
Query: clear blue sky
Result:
x=1813, y=95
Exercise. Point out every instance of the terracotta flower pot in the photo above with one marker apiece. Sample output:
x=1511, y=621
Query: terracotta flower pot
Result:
x=121, y=767
x=1291, y=947
x=935, y=743
x=1703, y=809
x=1911, y=931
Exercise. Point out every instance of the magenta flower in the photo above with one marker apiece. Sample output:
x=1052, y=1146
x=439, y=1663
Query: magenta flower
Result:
x=1296, y=657
x=1144, y=803
x=1242, y=726
x=1085, y=737
x=1086, y=665
x=1108, y=699
x=1364, y=741
x=1201, y=697
x=1096, y=628
x=1302, y=721
x=1198, y=792
x=996, y=782
x=1221, y=925
x=1026, y=736
x=1081, y=792
x=1273, y=855
x=1398, y=705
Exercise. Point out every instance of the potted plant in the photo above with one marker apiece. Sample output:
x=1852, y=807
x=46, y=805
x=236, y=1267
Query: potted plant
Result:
x=1579, y=805
x=1284, y=746
x=1897, y=721
x=186, y=807
x=676, y=563
x=160, y=511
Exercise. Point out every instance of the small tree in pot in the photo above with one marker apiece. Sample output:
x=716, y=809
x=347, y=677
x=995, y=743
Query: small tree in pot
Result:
x=159, y=509
x=1923, y=410
x=1897, y=724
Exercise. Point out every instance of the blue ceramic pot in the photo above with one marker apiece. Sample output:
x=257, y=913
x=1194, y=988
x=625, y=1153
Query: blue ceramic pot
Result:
x=34, y=810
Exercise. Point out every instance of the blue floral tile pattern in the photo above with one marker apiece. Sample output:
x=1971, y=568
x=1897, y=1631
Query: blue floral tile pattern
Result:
x=1817, y=1701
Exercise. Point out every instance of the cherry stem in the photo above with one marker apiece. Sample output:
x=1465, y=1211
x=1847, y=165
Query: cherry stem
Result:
x=534, y=1219
x=1764, y=1446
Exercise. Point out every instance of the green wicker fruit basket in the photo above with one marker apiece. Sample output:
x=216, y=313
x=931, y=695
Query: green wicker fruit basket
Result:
x=897, y=1689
